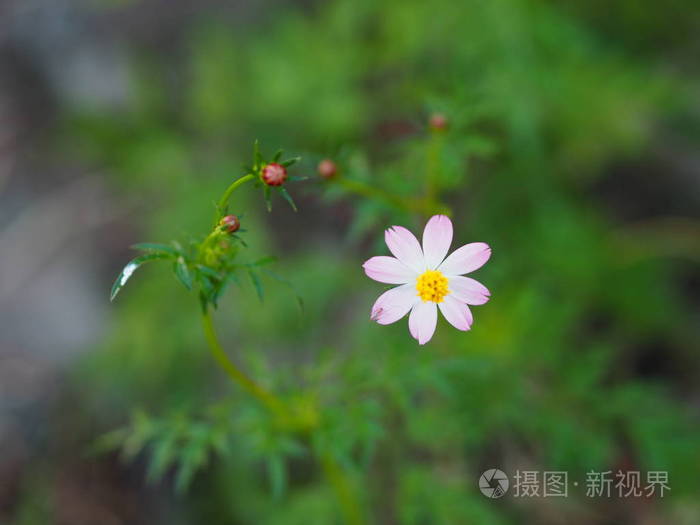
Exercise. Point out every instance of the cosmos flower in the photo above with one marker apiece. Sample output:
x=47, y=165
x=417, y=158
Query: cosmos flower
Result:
x=428, y=280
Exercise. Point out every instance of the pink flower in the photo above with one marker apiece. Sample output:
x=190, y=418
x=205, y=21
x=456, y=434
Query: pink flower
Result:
x=427, y=279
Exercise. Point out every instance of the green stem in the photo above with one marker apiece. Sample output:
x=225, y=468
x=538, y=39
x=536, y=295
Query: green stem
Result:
x=435, y=144
x=227, y=194
x=343, y=489
x=333, y=471
x=250, y=386
x=425, y=207
x=336, y=476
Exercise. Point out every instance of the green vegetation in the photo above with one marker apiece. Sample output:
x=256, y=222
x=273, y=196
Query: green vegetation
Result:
x=584, y=359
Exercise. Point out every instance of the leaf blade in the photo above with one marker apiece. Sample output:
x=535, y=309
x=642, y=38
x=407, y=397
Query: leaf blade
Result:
x=182, y=272
x=257, y=285
x=290, y=162
x=288, y=198
x=154, y=247
x=130, y=268
x=269, y=259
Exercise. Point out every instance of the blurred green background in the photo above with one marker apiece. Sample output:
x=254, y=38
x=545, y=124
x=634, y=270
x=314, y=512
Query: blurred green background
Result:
x=571, y=148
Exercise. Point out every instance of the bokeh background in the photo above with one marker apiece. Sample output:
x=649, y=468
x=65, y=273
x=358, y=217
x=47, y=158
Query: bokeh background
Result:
x=572, y=149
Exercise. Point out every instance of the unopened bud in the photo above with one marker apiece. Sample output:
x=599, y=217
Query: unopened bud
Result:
x=274, y=174
x=327, y=169
x=438, y=122
x=230, y=223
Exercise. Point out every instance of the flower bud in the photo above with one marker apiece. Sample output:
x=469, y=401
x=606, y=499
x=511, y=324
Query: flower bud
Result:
x=327, y=169
x=230, y=223
x=438, y=122
x=274, y=174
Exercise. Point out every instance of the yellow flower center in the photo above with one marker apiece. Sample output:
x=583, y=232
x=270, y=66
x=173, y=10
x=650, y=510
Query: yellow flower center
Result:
x=432, y=286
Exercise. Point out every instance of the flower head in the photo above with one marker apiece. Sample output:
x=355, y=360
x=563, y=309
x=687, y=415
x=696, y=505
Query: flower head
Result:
x=428, y=279
x=327, y=169
x=438, y=122
x=274, y=174
x=230, y=223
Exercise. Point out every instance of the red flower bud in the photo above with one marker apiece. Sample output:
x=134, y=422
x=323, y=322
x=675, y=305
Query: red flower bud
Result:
x=438, y=122
x=274, y=174
x=327, y=169
x=230, y=223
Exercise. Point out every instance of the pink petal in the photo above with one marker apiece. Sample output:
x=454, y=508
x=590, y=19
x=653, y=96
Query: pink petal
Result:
x=456, y=313
x=393, y=304
x=404, y=245
x=388, y=270
x=467, y=290
x=466, y=259
x=422, y=321
x=437, y=237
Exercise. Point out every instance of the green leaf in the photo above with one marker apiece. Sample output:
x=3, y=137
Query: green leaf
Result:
x=289, y=162
x=288, y=198
x=257, y=157
x=142, y=430
x=209, y=272
x=219, y=441
x=277, y=155
x=240, y=239
x=268, y=201
x=193, y=457
x=207, y=286
x=108, y=442
x=164, y=455
x=203, y=301
x=215, y=289
x=223, y=285
x=279, y=278
x=131, y=267
x=156, y=248
x=257, y=284
x=183, y=273
x=277, y=471
x=264, y=260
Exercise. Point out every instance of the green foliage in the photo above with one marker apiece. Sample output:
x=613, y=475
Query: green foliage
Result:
x=549, y=377
x=131, y=267
x=177, y=443
x=210, y=264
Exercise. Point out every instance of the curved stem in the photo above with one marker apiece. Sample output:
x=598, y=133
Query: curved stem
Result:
x=337, y=478
x=227, y=194
x=335, y=474
x=250, y=386
x=333, y=471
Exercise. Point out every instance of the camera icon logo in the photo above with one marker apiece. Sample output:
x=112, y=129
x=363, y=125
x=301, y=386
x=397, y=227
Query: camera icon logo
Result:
x=494, y=483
